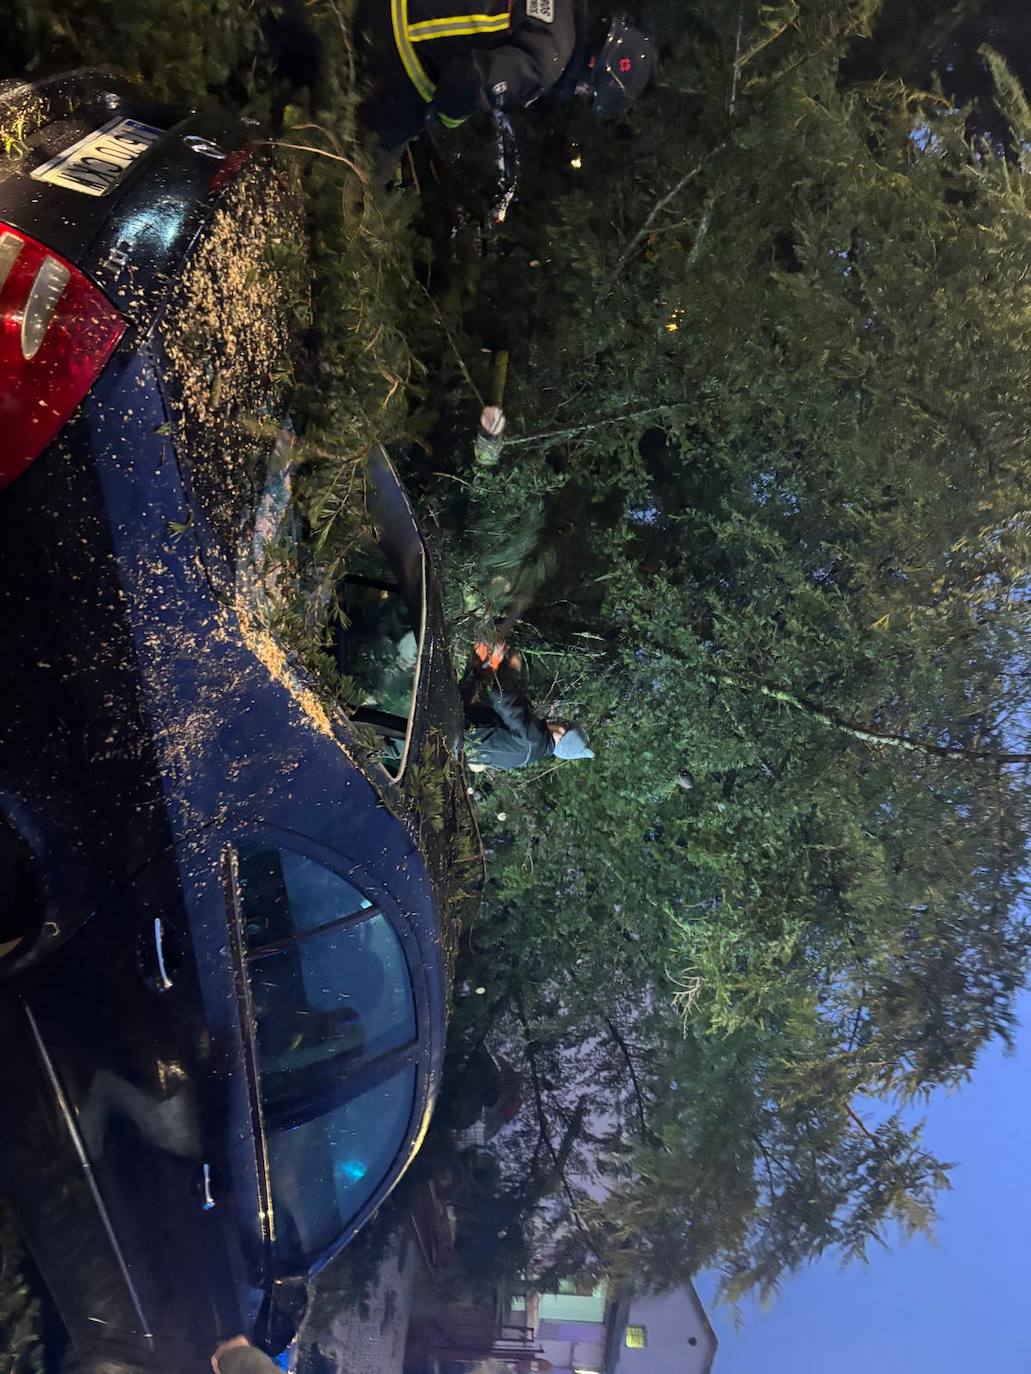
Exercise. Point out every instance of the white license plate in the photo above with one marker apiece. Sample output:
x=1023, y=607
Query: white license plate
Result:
x=97, y=163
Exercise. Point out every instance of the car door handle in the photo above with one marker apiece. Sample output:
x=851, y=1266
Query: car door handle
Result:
x=205, y=1185
x=206, y=1193
x=158, y=954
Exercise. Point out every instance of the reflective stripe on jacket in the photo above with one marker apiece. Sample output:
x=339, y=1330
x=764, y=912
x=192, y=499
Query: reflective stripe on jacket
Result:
x=493, y=17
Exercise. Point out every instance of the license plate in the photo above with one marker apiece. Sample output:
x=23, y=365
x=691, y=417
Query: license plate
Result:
x=97, y=163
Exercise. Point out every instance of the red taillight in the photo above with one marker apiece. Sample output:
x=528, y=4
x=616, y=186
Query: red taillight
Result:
x=230, y=167
x=57, y=330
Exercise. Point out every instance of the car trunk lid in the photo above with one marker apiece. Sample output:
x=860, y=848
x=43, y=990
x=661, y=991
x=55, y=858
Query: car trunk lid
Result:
x=114, y=182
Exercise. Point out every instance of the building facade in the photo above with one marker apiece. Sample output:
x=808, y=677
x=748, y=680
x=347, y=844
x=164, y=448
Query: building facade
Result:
x=581, y=1330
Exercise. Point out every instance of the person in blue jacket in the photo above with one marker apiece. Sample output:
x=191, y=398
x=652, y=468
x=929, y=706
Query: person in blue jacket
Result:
x=501, y=730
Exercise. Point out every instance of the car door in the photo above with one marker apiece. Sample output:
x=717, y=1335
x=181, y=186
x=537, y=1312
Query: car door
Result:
x=127, y=1074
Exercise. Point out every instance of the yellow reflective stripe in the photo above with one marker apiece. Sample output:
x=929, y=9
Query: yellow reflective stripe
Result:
x=450, y=123
x=414, y=69
x=458, y=26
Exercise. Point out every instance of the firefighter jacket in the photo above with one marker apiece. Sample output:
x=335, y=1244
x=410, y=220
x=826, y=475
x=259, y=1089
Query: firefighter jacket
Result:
x=506, y=54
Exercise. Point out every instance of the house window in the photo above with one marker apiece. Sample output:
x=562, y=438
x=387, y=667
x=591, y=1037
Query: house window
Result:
x=636, y=1338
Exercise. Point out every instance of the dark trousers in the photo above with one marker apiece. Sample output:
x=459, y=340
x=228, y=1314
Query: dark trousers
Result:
x=393, y=110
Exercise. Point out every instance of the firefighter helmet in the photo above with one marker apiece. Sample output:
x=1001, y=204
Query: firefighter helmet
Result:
x=619, y=72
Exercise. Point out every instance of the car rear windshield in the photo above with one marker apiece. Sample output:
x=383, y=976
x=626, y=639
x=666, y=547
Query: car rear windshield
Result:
x=377, y=640
x=377, y=643
x=373, y=618
x=325, y=1170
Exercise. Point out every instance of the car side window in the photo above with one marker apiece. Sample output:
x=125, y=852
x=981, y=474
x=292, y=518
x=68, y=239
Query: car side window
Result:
x=324, y=1170
x=330, y=987
x=284, y=895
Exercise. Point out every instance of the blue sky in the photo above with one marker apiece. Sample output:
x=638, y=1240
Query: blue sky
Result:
x=959, y=1305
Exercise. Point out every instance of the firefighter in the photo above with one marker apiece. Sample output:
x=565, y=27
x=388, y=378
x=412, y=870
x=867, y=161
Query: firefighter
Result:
x=434, y=58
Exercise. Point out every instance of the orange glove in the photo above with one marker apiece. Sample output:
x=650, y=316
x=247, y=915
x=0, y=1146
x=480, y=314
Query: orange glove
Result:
x=490, y=655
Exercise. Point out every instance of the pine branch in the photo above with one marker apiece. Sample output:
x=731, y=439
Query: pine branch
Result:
x=614, y=1032
x=866, y=734
x=661, y=204
x=320, y=152
x=572, y=430
x=737, y=59
x=454, y=347
x=743, y=59
x=559, y=1155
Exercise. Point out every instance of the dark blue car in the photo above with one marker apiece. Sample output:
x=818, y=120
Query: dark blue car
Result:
x=224, y=947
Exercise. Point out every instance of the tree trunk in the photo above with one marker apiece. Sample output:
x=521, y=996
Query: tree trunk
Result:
x=865, y=734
